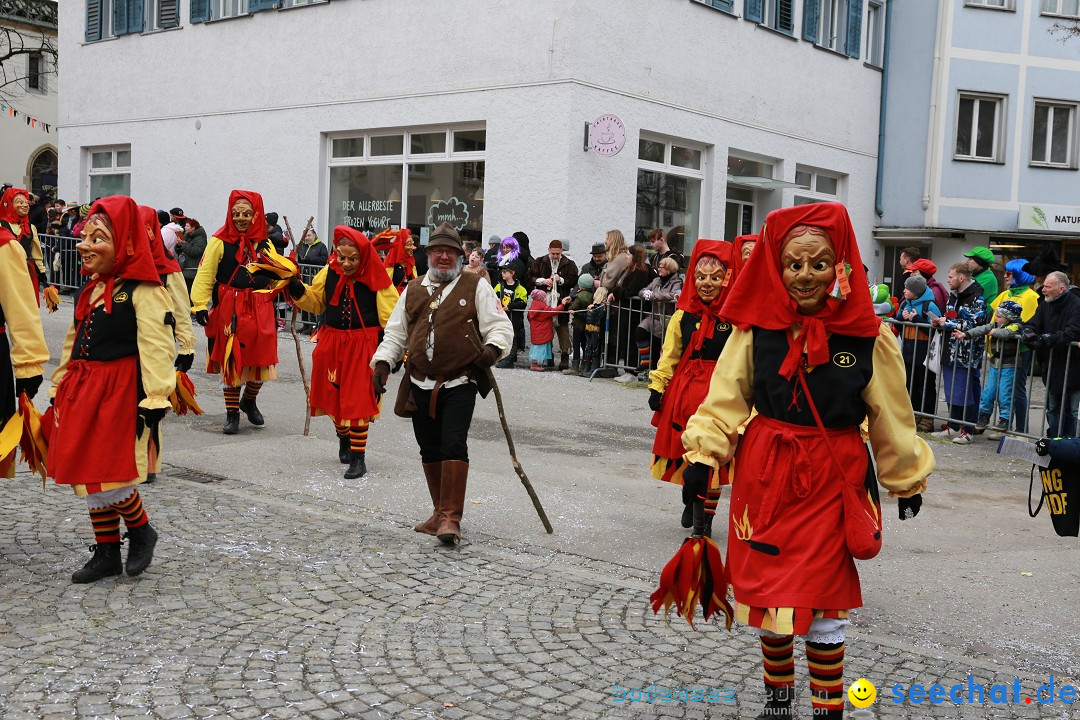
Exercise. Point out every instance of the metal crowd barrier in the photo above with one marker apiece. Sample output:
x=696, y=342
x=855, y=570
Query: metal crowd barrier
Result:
x=1029, y=402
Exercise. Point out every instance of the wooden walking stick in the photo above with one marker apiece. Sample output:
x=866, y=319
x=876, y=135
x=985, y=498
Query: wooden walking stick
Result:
x=295, y=337
x=510, y=442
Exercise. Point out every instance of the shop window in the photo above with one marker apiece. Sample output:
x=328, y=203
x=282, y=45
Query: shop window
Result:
x=669, y=181
x=162, y=14
x=1061, y=8
x=110, y=171
x=816, y=186
x=992, y=4
x=375, y=182
x=979, y=131
x=1053, y=135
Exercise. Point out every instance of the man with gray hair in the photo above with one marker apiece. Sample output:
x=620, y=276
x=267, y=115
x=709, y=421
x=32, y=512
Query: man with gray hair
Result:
x=453, y=328
x=1053, y=332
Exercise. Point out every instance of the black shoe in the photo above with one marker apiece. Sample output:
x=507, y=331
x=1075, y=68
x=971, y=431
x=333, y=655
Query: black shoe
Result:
x=687, y=519
x=141, y=542
x=777, y=703
x=104, y=563
x=232, y=422
x=250, y=409
x=357, y=468
x=150, y=477
x=343, y=449
x=506, y=363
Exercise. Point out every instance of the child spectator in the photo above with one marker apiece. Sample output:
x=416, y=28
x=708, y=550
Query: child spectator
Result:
x=595, y=318
x=578, y=308
x=1001, y=351
x=514, y=299
x=541, y=330
x=919, y=306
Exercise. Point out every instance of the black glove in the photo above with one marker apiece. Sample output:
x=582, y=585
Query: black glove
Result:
x=909, y=507
x=296, y=288
x=1045, y=340
x=379, y=376
x=148, y=418
x=1029, y=337
x=655, y=399
x=183, y=362
x=27, y=385
x=1042, y=447
x=202, y=317
x=488, y=357
x=696, y=479
x=43, y=279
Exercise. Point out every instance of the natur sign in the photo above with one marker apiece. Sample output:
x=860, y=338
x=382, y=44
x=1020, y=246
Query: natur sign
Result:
x=1049, y=218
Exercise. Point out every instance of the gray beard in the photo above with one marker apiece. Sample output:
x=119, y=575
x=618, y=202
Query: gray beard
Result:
x=443, y=276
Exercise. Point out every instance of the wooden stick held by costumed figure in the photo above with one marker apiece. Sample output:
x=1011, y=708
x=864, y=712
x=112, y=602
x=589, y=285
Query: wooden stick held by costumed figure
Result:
x=295, y=336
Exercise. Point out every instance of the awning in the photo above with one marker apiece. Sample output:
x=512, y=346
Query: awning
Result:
x=762, y=183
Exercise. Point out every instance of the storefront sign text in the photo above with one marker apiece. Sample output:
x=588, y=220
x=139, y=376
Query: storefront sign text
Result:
x=370, y=215
x=453, y=211
x=1049, y=218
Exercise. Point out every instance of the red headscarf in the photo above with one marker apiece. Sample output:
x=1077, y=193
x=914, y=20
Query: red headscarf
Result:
x=738, y=243
x=370, y=272
x=134, y=260
x=761, y=300
x=689, y=300
x=397, y=255
x=255, y=234
x=7, y=209
x=164, y=261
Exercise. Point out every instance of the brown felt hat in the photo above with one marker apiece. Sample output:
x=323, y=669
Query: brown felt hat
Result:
x=445, y=235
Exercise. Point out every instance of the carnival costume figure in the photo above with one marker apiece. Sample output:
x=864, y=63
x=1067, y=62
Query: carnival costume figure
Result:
x=693, y=341
x=241, y=329
x=453, y=328
x=112, y=386
x=172, y=279
x=400, y=262
x=357, y=296
x=15, y=217
x=809, y=355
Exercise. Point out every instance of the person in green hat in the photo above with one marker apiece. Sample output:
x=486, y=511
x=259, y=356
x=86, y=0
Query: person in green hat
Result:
x=979, y=259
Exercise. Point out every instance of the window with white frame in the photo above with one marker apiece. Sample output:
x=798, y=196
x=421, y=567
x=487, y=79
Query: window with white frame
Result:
x=161, y=15
x=109, y=171
x=1061, y=8
x=750, y=188
x=980, y=127
x=993, y=4
x=99, y=20
x=1053, y=134
x=415, y=178
x=669, y=178
x=228, y=8
x=777, y=14
x=816, y=185
x=832, y=32
x=875, y=33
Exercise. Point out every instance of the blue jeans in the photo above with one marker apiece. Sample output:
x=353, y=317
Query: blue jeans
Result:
x=1053, y=412
x=999, y=386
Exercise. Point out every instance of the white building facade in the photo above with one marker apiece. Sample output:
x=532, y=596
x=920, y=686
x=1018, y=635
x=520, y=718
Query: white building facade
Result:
x=382, y=113
x=981, y=131
x=28, y=97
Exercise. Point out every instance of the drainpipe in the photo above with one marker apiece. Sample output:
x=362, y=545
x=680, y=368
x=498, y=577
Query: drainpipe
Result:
x=879, y=189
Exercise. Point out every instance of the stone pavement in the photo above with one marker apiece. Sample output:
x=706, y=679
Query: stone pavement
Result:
x=280, y=590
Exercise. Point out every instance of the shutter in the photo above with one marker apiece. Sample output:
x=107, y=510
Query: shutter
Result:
x=727, y=5
x=785, y=16
x=135, y=15
x=168, y=14
x=854, y=28
x=93, y=20
x=119, y=17
x=200, y=11
x=811, y=10
x=753, y=10
x=255, y=6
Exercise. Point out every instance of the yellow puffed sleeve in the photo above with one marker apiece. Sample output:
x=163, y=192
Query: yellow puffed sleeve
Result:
x=712, y=433
x=314, y=298
x=904, y=460
x=28, y=350
x=203, y=286
x=35, y=250
x=181, y=310
x=670, y=354
x=65, y=358
x=155, y=339
x=385, y=300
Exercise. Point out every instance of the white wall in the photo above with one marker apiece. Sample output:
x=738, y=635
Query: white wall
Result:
x=19, y=143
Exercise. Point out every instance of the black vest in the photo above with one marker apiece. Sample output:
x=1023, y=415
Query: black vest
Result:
x=711, y=348
x=836, y=386
x=343, y=315
x=109, y=336
x=232, y=273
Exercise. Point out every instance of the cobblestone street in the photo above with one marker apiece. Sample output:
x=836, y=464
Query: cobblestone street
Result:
x=279, y=590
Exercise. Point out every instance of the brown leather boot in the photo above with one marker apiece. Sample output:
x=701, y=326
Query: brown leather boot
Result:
x=455, y=474
x=433, y=473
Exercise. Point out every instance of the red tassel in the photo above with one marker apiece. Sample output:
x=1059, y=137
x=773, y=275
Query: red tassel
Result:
x=695, y=574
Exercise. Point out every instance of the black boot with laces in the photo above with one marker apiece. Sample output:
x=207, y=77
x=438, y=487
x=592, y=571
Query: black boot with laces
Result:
x=105, y=563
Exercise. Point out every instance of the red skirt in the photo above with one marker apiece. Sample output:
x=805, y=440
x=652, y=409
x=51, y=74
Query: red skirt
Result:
x=684, y=394
x=340, y=376
x=786, y=539
x=92, y=438
x=255, y=344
